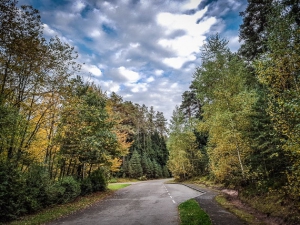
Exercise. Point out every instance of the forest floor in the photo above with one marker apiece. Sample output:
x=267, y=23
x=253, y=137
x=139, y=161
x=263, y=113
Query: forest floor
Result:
x=229, y=199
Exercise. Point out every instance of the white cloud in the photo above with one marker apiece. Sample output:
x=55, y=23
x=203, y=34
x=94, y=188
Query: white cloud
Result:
x=192, y=4
x=186, y=45
x=184, y=22
x=48, y=31
x=95, y=33
x=94, y=70
x=234, y=43
x=130, y=75
x=78, y=6
x=109, y=86
x=134, y=45
x=140, y=87
x=151, y=54
x=150, y=79
x=177, y=62
x=158, y=72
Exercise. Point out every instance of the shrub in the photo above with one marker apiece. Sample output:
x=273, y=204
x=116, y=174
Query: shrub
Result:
x=71, y=189
x=63, y=191
x=12, y=193
x=54, y=193
x=37, y=180
x=98, y=180
x=86, y=186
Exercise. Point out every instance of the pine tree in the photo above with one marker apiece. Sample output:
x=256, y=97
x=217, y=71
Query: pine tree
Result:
x=253, y=29
x=135, y=164
x=165, y=172
x=151, y=168
x=157, y=170
x=145, y=165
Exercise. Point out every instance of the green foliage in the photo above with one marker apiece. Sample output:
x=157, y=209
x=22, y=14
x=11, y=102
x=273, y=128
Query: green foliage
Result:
x=253, y=29
x=12, y=193
x=98, y=180
x=54, y=193
x=135, y=165
x=63, y=191
x=55, y=129
x=37, y=181
x=165, y=172
x=279, y=72
x=145, y=165
x=220, y=83
x=185, y=157
x=191, y=214
x=157, y=171
x=86, y=186
x=71, y=189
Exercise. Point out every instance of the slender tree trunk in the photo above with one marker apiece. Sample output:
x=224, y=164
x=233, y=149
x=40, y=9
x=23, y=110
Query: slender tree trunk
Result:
x=91, y=166
x=237, y=148
x=69, y=166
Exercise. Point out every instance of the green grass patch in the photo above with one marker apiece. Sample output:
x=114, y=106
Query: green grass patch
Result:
x=171, y=181
x=116, y=186
x=122, y=180
x=250, y=219
x=191, y=214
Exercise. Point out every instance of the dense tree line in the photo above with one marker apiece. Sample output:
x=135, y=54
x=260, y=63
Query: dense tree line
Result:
x=61, y=137
x=147, y=156
x=242, y=111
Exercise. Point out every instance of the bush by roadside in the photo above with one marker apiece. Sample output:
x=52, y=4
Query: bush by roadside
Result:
x=30, y=192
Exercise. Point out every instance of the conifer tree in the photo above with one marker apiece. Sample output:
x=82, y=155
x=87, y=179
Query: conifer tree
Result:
x=135, y=165
x=145, y=165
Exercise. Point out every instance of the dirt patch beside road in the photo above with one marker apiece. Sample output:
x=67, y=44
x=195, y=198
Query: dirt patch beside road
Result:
x=219, y=215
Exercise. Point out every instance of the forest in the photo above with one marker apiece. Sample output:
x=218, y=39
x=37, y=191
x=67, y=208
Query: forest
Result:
x=239, y=122
x=62, y=136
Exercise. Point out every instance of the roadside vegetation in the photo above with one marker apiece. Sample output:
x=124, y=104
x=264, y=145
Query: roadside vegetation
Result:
x=191, y=214
x=116, y=186
x=238, y=125
x=243, y=214
x=58, y=211
x=61, y=137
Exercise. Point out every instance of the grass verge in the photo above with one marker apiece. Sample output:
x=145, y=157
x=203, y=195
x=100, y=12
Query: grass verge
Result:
x=58, y=211
x=191, y=214
x=116, y=186
x=250, y=219
x=122, y=180
x=274, y=204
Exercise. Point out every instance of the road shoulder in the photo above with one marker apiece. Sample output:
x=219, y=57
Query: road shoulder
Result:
x=217, y=214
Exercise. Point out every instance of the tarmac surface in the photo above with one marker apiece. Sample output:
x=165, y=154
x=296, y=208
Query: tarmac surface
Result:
x=143, y=203
x=149, y=203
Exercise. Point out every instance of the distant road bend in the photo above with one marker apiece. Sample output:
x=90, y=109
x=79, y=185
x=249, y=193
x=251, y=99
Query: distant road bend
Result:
x=142, y=203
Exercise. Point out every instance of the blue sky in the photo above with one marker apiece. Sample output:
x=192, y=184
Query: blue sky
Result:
x=144, y=50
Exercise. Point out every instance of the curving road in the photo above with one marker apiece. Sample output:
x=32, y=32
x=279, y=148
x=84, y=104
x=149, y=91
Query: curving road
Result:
x=142, y=203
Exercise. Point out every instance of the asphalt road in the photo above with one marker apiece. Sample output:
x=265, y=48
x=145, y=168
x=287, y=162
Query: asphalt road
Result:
x=142, y=203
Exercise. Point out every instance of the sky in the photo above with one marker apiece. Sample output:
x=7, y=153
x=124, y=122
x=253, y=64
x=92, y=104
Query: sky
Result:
x=144, y=50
